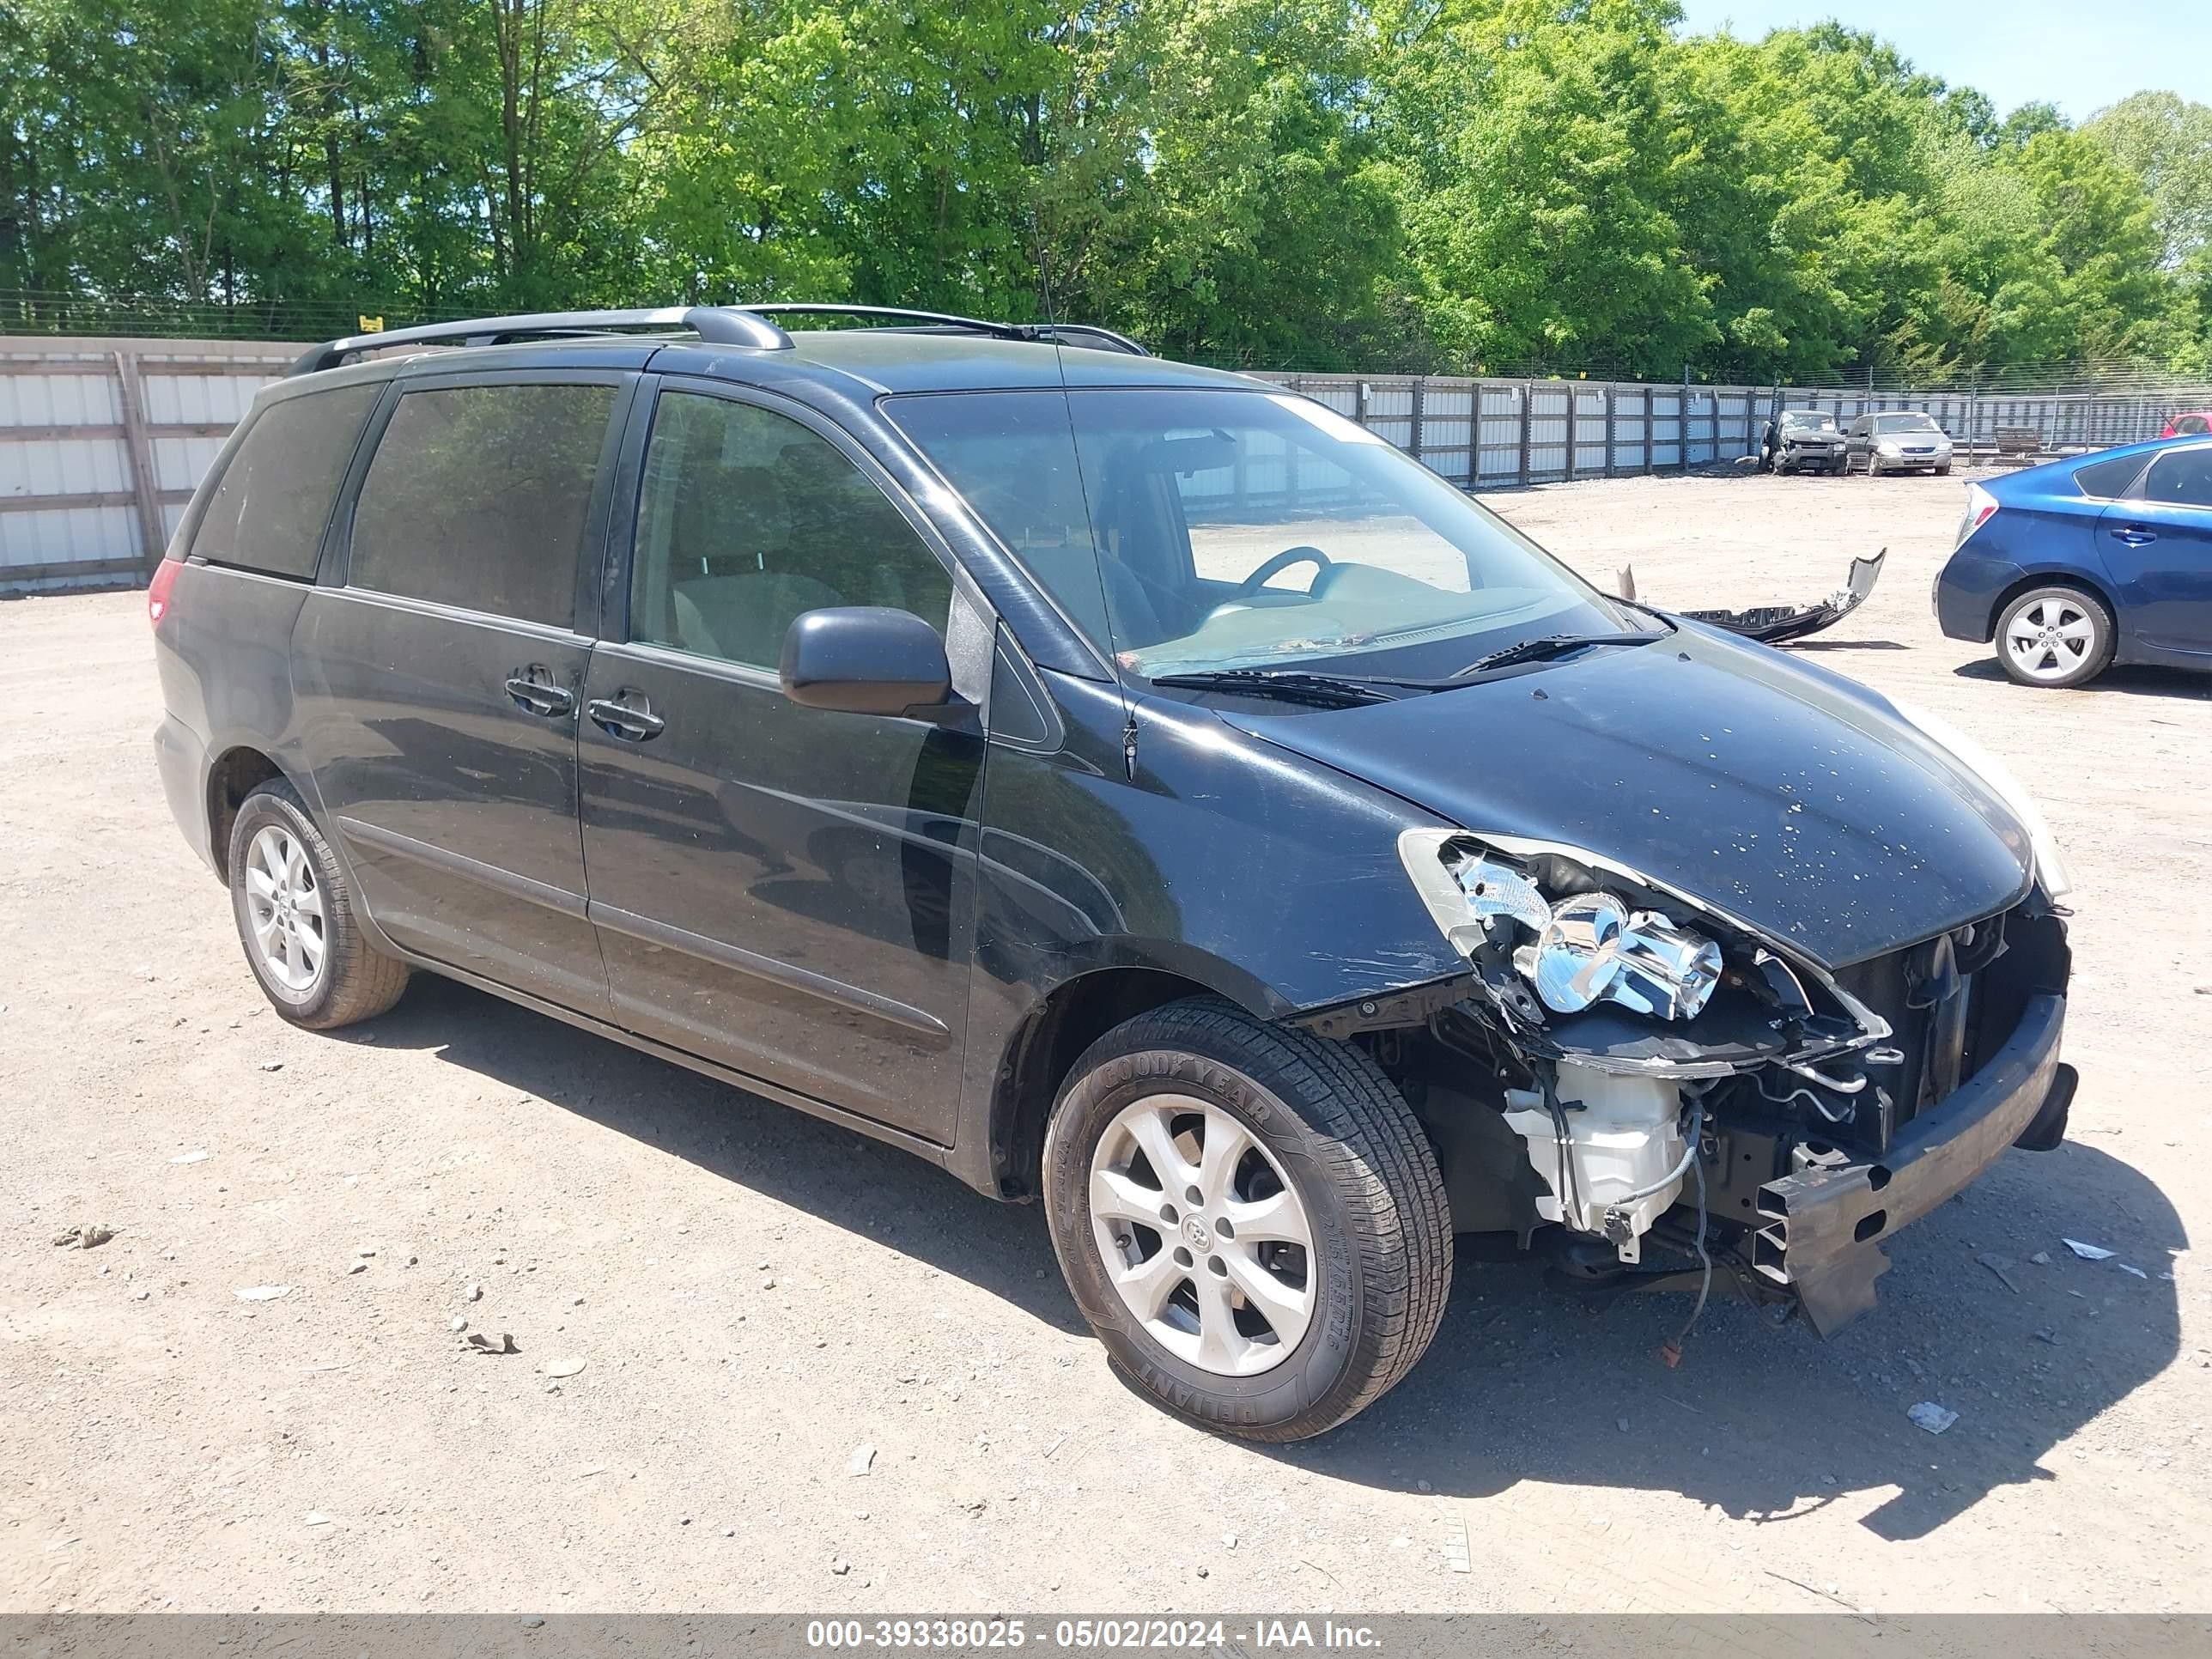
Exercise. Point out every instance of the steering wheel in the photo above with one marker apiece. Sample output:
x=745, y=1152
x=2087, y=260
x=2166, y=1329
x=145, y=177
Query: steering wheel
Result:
x=1282, y=561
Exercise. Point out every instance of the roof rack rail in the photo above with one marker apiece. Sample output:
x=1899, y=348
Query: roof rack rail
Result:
x=946, y=319
x=716, y=324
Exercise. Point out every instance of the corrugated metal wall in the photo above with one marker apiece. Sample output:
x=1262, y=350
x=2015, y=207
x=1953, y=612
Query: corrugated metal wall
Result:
x=101, y=442
x=1547, y=431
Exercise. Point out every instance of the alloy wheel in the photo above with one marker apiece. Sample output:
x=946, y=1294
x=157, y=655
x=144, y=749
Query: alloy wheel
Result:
x=1202, y=1235
x=2049, y=639
x=284, y=908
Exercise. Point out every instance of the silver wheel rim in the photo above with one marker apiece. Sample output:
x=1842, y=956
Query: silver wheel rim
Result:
x=285, y=925
x=2049, y=639
x=1202, y=1235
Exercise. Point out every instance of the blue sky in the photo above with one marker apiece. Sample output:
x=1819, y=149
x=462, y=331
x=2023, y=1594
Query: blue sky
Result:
x=2079, y=57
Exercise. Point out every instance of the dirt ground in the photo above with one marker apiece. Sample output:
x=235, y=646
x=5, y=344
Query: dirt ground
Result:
x=754, y=1295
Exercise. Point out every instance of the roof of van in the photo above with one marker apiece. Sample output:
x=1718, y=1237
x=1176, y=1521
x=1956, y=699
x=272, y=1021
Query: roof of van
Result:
x=894, y=360
x=878, y=359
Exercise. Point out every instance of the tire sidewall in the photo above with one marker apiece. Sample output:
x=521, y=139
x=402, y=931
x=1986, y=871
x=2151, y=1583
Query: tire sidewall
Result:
x=2092, y=665
x=259, y=811
x=1322, y=1361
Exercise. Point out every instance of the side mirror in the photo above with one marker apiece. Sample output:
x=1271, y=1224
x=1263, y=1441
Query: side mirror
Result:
x=865, y=659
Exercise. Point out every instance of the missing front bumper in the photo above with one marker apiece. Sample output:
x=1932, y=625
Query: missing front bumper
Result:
x=1823, y=1227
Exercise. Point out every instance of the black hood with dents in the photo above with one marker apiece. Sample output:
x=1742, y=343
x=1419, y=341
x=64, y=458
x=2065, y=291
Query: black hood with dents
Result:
x=1768, y=789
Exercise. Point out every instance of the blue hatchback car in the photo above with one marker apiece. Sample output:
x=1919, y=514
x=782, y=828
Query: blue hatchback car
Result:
x=2077, y=564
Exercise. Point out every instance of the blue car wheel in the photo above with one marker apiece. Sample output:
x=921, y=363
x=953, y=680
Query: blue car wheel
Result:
x=2054, y=637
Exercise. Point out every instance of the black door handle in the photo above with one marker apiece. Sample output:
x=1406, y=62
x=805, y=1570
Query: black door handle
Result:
x=619, y=718
x=540, y=696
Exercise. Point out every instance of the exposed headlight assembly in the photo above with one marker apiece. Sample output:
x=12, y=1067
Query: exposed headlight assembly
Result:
x=1592, y=947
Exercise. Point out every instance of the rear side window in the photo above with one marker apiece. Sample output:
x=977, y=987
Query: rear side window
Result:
x=2189, y=425
x=2182, y=478
x=478, y=497
x=2108, y=480
x=268, y=510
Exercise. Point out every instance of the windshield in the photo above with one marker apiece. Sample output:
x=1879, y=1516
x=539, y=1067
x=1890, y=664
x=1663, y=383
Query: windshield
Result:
x=1905, y=423
x=1808, y=418
x=1195, y=529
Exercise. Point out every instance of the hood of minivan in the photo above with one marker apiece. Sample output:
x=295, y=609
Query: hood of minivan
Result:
x=1775, y=792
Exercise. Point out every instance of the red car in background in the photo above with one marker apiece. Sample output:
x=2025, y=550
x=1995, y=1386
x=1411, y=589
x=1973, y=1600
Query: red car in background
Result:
x=2192, y=423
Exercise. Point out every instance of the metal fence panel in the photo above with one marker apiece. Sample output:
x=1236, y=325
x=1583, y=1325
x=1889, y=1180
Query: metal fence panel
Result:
x=102, y=443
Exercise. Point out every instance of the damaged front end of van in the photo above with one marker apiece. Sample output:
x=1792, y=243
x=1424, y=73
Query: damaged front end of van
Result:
x=1660, y=1094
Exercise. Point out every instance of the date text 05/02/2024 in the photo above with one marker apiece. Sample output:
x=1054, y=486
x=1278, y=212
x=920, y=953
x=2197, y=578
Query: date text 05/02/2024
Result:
x=1087, y=1635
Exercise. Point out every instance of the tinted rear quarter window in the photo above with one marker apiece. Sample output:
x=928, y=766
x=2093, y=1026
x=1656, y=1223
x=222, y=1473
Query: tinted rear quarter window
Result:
x=268, y=510
x=2182, y=478
x=479, y=497
x=2108, y=480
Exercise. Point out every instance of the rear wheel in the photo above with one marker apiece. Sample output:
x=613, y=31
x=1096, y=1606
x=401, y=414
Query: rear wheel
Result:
x=294, y=916
x=1249, y=1217
x=2054, y=637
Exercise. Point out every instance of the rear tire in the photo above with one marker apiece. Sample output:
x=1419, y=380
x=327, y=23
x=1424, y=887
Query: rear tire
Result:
x=1293, y=1166
x=294, y=916
x=2053, y=638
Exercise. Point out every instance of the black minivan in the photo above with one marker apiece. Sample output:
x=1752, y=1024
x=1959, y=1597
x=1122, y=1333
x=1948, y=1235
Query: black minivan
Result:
x=1129, y=785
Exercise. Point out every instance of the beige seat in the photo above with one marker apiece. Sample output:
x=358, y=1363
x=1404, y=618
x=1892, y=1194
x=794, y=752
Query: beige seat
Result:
x=744, y=618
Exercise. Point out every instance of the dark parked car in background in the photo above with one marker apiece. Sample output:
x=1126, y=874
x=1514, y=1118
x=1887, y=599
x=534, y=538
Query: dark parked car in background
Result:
x=1130, y=786
x=1899, y=440
x=2077, y=564
x=1802, y=439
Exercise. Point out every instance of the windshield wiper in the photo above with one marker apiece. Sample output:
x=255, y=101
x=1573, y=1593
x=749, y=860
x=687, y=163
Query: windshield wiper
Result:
x=1295, y=685
x=1549, y=645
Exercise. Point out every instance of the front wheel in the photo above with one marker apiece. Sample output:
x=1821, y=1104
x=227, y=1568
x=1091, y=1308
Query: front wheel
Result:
x=1249, y=1217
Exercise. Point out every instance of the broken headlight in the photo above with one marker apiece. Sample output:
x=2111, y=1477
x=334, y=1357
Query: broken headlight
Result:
x=1592, y=947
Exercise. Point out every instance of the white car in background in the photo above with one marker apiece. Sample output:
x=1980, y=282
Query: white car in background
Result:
x=1897, y=440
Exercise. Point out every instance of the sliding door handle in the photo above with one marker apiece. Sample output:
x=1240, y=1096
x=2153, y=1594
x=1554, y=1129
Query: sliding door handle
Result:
x=540, y=696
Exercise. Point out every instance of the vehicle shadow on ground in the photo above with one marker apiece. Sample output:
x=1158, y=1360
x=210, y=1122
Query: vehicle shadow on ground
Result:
x=2134, y=680
x=875, y=1191
x=1523, y=1382
x=1770, y=1423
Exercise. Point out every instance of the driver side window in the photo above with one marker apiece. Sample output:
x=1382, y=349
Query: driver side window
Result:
x=747, y=520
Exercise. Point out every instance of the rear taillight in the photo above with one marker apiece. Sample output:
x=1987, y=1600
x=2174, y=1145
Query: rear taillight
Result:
x=1981, y=506
x=157, y=590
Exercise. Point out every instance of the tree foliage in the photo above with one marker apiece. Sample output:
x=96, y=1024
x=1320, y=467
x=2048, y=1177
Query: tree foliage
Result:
x=1425, y=184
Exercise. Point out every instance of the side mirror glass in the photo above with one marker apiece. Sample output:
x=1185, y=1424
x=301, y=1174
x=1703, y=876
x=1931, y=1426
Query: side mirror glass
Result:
x=865, y=659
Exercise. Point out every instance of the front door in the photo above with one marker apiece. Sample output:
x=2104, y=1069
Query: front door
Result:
x=786, y=890
x=439, y=684
x=2158, y=547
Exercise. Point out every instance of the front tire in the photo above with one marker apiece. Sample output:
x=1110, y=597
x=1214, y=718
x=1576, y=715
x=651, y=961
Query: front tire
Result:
x=2054, y=637
x=1249, y=1217
x=294, y=916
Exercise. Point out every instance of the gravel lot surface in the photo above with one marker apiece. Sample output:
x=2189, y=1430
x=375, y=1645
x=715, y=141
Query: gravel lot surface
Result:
x=754, y=1295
